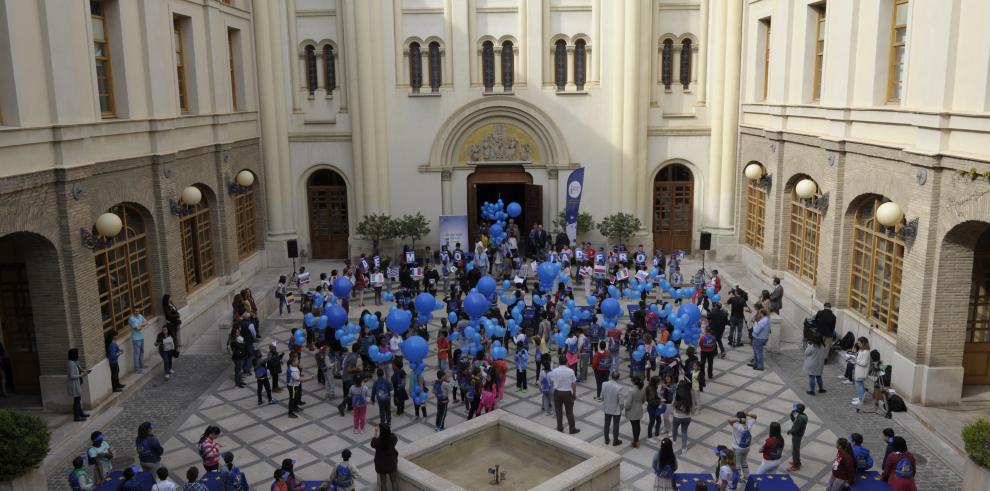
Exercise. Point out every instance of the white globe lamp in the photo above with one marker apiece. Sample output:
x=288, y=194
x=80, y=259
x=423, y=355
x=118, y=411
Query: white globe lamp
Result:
x=889, y=214
x=806, y=188
x=108, y=225
x=753, y=172
x=191, y=196
x=244, y=178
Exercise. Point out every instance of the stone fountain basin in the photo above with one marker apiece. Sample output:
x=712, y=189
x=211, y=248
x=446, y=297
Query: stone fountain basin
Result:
x=532, y=456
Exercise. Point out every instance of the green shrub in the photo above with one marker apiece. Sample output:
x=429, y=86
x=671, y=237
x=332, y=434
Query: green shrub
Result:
x=25, y=438
x=976, y=436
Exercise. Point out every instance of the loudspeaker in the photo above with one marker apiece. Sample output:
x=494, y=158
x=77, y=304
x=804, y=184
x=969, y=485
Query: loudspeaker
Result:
x=706, y=241
x=293, y=248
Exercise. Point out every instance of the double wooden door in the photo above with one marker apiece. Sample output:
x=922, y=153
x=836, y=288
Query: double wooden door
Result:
x=673, y=211
x=328, y=228
x=17, y=323
x=976, y=354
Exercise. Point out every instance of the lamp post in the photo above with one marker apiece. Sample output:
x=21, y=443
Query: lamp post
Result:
x=107, y=226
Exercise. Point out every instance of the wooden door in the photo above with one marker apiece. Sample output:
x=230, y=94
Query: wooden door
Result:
x=328, y=227
x=534, y=204
x=976, y=355
x=17, y=322
x=673, y=213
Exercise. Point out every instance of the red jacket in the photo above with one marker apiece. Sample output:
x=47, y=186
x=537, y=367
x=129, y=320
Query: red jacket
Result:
x=209, y=450
x=844, y=467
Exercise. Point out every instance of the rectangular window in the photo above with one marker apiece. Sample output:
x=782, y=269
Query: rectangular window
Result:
x=898, y=48
x=247, y=236
x=231, y=40
x=101, y=49
x=756, y=199
x=766, y=55
x=819, y=11
x=802, y=245
x=180, y=64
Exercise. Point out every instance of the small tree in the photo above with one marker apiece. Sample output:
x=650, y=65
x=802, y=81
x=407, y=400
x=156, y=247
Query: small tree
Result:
x=619, y=226
x=412, y=227
x=585, y=222
x=26, y=440
x=976, y=438
x=377, y=228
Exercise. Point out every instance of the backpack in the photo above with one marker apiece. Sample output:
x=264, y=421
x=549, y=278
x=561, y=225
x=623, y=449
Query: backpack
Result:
x=545, y=384
x=342, y=476
x=847, y=341
x=666, y=471
x=745, y=438
x=144, y=451
x=604, y=363
x=358, y=400
x=381, y=390
x=231, y=478
x=260, y=371
x=896, y=404
x=904, y=468
x=74, y=483
x=708, y=343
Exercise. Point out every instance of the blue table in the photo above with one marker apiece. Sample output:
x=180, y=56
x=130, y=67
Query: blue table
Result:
x=116, y=481
x=212, y=481
x=688, y=482
x=768, y=482
x=870, y=481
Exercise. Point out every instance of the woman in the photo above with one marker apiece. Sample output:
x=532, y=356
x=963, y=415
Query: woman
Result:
x=601, y=365
x=634, y=408
x=166, y=348
x=814, y=363
x=377, y=282
x=172, y=317
x=149, y=449
x=862, y=369
x=773, y=450
x=727, y=474
x=292, y=483
x=843, y=467
x=683, y=405
x=209, y=448
x=652, y=406
x=75, y=381
x=664, y=466
x=386, y=457
x=281, y=291
x=899, y=467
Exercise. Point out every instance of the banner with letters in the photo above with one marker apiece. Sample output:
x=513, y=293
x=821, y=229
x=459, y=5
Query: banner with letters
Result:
x=575, y=187
x=454, y=229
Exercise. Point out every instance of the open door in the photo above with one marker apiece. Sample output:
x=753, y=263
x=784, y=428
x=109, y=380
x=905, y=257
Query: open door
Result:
x=17, y=324
x=534, y=207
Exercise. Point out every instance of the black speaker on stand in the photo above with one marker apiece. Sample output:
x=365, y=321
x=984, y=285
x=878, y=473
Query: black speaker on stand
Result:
x=706, y=245
x=292, y=247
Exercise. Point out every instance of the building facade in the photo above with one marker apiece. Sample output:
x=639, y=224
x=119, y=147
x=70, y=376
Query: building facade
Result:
x=874, y=101
x=144, y=110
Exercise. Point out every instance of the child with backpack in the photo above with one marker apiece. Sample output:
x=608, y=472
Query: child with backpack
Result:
x=274, y=365
x=546, y=388
x=899, y=467
x=726, y=471
x=342, y=477
x=231, y=476
x=382, y=392
x=742, y=437
x=864, y=461
x=399, y=393
x=522, y=359
x=359, y=395
x=664, y=466
x=101, y=456
x=261, y=378
x=79, y=480
x=441, y=388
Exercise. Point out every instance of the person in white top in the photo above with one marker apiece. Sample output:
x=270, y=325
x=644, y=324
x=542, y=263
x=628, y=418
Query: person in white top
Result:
x=163, y=484
x=862, y=369
x=742, y=437
x=564, y=385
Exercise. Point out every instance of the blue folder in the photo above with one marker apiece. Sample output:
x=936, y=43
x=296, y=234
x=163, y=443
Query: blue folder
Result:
x=771, y=482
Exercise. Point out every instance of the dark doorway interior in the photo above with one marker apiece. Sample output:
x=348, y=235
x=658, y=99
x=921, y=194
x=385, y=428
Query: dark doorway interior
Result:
x=507, y=192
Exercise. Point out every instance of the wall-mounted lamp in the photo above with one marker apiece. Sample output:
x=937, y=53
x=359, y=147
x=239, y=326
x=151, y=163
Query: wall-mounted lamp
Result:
x=107, y=226
x=755, y=172
x=242, y=182
x=890, y=215
x=808, y=190
x=190, y=196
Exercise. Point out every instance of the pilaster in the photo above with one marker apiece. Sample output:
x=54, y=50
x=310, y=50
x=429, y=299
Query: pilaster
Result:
x=730, y=117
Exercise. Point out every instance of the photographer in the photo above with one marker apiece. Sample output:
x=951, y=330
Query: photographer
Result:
x=825, y=325
x=737, y=314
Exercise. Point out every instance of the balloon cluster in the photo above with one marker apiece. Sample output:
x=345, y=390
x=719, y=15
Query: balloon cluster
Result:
x=425, y=305
x=415, y=350
x=379, y=357
x=388, y=296
x=611, y=311
x=497, y=213
x=419, y=396
x=548, y=273
x=371, y=322
x=687, y=324
x=475, y=305
x=637, y=287
x=348, y=334
x=398, y=321
x=498, y=351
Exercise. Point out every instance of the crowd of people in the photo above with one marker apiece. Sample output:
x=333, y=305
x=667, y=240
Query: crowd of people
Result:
x=667, y=390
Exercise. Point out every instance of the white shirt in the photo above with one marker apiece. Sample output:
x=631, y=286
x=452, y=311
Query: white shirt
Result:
x=165, y=485
x=561, y=378
x=395, y=343
x=294, y=376
x=737, y=430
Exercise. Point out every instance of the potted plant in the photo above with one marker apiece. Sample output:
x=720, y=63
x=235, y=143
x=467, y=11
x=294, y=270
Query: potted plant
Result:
x=376, y=228
x=619, y=226
x=585, y=222
x=976, y=438
x=26, y=439
x=412, y=228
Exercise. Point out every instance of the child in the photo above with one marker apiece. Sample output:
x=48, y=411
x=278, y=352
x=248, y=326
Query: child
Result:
x=742, y=438
x=261, y=377
x=382, y=392
x=864, y=461
x=488, y=397
x=772, y=450
x=420, y=395
x=130, y=483
x=728, y=474
x=280, y=477
x=443, y=348
x=522, y=359
x=799, y=422
x=163, y=483
x=192, y=476
x=399, y=388
x=79, y=480
x=665, y=465
x=230, y=475
x=545, y=387
x=274, y=365
x=359, y=395
x=342, y=477
x=321, y=364
x=501, y=372
x=101, y=457
x=332, y=364
x=440, y=388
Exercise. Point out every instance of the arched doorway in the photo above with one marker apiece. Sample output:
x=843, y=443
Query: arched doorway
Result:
x=510, y=183
x=976, y=355
x=326, y=194
x=673, y=208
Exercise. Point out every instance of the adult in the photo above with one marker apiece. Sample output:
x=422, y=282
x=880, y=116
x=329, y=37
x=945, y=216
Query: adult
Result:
x=281, y=293
x=113, y=359
x=149, y=449
x=683, y=407
x=75, y=375
x=843, y=467
x=613, y=399
x=718, y=319
x=772, y=450
x=761, y=334
x=386, y=457
x=814, y=363
x=861, y=369
x=776, y=297
x=825, y=326
x=737, y=308
x=166, y=349
x=173, y=319
x=564, y=384
x=137, y=323
x=899, y=467
x=634, y=408
x=601, y=364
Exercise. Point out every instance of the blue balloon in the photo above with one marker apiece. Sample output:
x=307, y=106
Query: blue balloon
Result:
x=318, y=301
x=371, y=321
x=476, y=305
x=610, y=307
x=388, y=296
x=716, y=298
x=592, y=300
x=691, y=311
x=452, y=317
x=514, y=210
x=506, y=284
x=638, y=355
x=309, y=320
x=342, y=287
x=336, y=316
x=438, y=304
x=322, y=321
x=424, y=303
x=486, y=286
x=415, y=349
x=398, y=321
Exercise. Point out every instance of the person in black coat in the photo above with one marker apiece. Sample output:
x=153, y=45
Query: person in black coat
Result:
x=386, y=457
x=825, y=326
x=718, y=318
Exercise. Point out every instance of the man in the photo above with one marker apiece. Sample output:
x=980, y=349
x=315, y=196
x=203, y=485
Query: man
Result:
x=613, y=402
x=348, y=374
x=825, y=326
x=561, y=240
x=737, y=309
x=761, y=334
x=541, y=238
x=564, y=385
x=113, y=357
x=776, y=297
x=533, y=242
x=718, y=318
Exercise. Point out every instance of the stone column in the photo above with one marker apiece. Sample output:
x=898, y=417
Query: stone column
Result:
x=630, y=104
x=364, y=110
x=711, y=186
x=281, y=114
x=616, y=73
x=377, y=34
x=446, y=199
x=277, y=228
x=730, y=119
x=702, y=62
x=293, y=60
x=349, y=32
x=553, y=191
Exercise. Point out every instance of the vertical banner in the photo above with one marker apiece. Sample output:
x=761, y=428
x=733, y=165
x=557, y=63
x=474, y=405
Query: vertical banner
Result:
x=575, y=187
x=454, y=229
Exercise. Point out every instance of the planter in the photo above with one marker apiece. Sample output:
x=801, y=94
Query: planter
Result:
x=32, y=481
x=975, y=478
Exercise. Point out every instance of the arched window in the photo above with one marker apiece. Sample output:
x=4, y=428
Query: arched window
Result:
x=756, y=201
x=508, y=66
x=560, y=64
x=667, y=64
x=877, y=267
x=802, y=241
x=329, y=60
x=580, y=63
x=247, y=232
x=122, y=273
x=311, y=69
x=686, y=63
x=488, y=65
x=415, y=67
x=436, y=71
x=197, y=244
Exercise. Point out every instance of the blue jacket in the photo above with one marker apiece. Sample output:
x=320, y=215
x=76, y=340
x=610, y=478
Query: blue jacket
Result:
x=761, y=329
x=113, y=352
x=863, y=459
